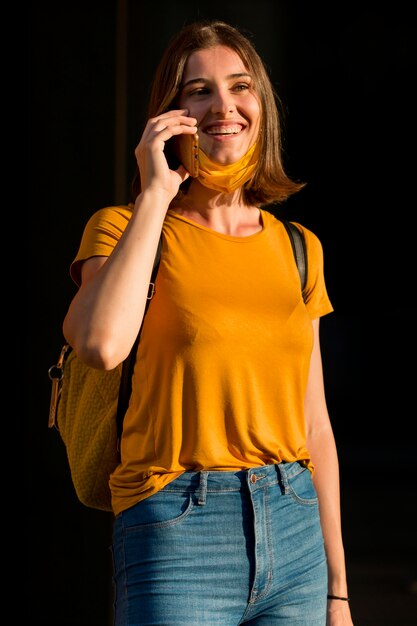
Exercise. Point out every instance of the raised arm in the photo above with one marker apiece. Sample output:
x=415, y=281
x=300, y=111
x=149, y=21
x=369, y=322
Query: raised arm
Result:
x=104, y=317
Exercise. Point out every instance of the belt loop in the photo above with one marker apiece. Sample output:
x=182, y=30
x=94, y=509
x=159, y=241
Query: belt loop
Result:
x=202, y=492
x=284, y=478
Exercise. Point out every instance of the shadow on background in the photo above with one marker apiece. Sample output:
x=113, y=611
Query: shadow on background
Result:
x=343, y=73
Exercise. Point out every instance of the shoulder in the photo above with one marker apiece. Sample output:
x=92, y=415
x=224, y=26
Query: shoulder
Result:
x=101, y=233
x=311, y=238
x=111, y=217
x=312, y=241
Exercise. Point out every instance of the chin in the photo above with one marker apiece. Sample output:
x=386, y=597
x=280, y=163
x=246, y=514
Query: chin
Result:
x=223, y=156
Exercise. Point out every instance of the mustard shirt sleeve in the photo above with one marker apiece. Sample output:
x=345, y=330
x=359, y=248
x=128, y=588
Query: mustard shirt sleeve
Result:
x=101, y=234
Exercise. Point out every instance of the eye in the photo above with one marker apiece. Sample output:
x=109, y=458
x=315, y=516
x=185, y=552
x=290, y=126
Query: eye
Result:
x=241, y=87
x=201, y=91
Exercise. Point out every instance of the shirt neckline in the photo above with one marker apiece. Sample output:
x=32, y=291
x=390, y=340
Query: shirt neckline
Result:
x=242, y=239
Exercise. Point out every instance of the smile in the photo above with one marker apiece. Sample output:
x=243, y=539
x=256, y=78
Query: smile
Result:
x=224, y=130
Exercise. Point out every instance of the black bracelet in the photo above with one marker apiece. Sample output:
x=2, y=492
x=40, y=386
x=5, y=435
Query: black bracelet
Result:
x=329, y=597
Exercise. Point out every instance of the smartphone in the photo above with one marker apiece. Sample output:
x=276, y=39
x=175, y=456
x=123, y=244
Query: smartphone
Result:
x=187, y=146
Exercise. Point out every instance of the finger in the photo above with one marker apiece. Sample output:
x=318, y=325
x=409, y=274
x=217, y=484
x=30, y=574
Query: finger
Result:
x=183, y=173
x=164, y=121
x=164, y=133
x=177, y=129
x=172, y=113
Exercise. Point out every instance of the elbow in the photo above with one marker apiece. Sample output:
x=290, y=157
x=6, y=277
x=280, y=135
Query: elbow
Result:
x=99, y=353
x=98, y=357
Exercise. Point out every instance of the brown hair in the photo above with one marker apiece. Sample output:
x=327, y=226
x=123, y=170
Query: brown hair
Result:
x=270, y=183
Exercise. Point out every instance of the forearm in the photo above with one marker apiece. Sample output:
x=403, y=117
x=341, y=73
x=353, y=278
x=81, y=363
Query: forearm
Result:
x=323, y=451
x=104, y=317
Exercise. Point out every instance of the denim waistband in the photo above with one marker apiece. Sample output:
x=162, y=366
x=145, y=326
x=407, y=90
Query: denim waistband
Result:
x=208, y=481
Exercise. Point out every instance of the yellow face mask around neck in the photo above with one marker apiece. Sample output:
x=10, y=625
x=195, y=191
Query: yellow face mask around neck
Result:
x=227, y=178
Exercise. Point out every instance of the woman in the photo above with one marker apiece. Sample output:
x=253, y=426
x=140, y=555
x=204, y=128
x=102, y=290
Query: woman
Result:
x=226, y=499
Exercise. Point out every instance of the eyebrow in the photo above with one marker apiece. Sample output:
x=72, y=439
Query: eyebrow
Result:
x=204, y=80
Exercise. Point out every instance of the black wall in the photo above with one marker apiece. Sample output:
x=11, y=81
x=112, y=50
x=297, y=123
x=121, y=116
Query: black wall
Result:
x=346, y=75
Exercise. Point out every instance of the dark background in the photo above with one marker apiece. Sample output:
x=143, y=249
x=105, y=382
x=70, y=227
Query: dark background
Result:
x=346, y=74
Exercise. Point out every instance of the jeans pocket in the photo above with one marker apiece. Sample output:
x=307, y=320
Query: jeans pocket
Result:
x=159, y=510
x=301, y=487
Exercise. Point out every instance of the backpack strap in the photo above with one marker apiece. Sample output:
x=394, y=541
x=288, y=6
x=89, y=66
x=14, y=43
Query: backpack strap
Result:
x=128, y=364
x=300, y=252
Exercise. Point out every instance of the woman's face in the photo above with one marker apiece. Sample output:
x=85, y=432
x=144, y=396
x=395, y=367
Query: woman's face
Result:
x=217, y=90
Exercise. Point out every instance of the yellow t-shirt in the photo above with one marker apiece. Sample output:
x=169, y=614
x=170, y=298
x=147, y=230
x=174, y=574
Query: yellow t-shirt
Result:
x=222, y=365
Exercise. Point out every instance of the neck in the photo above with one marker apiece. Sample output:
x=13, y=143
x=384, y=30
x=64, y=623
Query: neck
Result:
x=224, y=213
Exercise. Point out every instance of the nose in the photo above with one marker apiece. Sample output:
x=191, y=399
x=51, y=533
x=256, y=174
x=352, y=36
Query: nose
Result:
x=222, y=102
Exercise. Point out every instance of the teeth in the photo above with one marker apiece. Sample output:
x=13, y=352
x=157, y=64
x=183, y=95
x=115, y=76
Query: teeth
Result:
x=222, y=130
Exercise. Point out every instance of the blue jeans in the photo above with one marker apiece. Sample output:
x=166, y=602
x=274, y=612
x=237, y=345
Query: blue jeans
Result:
x=223, y=549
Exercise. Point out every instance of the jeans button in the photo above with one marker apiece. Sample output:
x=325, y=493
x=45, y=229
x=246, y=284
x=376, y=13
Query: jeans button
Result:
x=253, y=478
